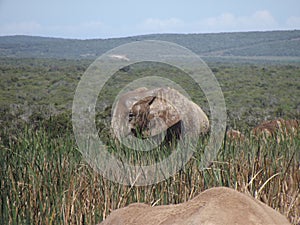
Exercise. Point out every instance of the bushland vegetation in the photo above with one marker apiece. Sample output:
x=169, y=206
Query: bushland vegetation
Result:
x=45, y=180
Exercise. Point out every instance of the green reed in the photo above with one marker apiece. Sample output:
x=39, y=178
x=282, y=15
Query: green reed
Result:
x=45, y=180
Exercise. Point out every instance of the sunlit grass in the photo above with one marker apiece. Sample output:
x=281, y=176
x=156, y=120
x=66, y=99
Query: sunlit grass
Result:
x=44, y=179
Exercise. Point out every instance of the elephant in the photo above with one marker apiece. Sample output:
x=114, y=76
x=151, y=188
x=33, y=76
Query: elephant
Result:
x=235, y=136
x=146, y=113
x=217, y=206
x=279, y=129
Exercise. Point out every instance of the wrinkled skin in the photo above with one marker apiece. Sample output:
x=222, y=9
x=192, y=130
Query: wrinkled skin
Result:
x=215, y=206
x=146, y=113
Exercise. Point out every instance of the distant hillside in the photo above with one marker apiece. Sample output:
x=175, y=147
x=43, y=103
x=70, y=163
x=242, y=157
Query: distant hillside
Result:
x=251, y=44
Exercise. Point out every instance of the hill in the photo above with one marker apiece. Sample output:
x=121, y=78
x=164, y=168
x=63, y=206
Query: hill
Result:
x=240, y=44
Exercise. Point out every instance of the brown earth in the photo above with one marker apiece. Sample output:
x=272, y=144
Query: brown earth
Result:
x=215, y=206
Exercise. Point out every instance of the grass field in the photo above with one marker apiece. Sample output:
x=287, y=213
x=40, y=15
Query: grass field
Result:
x=253, y=92
x=45, y=180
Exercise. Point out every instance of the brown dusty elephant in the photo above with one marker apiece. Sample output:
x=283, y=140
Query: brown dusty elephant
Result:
x=279, y=129
x=235, y=135
x=147, y=113
x=215, y=206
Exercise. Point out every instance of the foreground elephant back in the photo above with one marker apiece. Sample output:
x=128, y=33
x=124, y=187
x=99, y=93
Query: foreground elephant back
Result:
x=215, y=206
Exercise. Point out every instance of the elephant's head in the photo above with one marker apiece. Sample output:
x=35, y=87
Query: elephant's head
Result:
x=151, y=116
x=147, y=113
x=144, y=113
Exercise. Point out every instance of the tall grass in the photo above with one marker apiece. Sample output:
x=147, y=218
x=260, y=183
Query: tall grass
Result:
x=44, y=179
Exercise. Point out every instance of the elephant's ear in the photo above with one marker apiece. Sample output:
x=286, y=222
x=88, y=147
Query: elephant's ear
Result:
x=162, y=115
x=144, y=102
x=140, y=109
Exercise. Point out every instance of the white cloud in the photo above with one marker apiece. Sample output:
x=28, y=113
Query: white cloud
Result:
x=226, y=22
x=81, y=30
x=152, y=25
x=26, y=28
x=226, y=19
x=260, y=20
x=91, y=29
x=293, y=22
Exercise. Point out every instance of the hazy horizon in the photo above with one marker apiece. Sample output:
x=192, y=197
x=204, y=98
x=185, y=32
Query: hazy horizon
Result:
x=95, y=19
x=74, y=38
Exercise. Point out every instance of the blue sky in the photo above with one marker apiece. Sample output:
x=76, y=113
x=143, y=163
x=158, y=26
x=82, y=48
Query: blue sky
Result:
x=112, y=18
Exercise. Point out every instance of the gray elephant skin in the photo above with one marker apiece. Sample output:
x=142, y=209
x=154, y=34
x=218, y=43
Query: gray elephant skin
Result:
x=146, y=113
